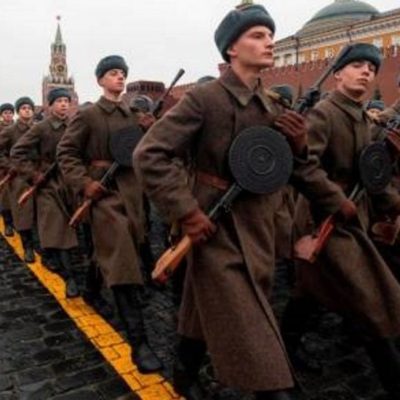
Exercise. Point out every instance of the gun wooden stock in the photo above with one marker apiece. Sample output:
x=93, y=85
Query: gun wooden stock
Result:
x=5, y=180
x=80, y=213
x=26, y=195
x=308, y=247
x=170, y=260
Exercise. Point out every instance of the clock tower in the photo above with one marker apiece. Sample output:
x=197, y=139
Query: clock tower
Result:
x=58, y=69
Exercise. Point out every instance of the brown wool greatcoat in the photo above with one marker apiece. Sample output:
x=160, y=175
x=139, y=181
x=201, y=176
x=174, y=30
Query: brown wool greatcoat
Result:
x=390, y=112
x=4, y=194
x=22, y=216
x=229, y=278
x=117, y=219
x=53, y=199
x=350, y=275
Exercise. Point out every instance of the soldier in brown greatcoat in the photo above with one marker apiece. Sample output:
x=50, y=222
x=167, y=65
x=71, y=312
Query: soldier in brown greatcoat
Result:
x=116, y=217
x=22, y=216
x=7, y=116
x=225, y=303
x=53, y=200
x=349, y=275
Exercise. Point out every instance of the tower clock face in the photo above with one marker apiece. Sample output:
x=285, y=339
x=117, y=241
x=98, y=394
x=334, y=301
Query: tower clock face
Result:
x=60, y=68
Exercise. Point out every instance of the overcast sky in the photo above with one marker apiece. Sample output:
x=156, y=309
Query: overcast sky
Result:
x=156, y=37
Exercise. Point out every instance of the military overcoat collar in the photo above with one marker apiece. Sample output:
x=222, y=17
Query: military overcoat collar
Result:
x=234, y=85
x=110, y=106
x=348, y=105
x=56, y=123
x=22, y=126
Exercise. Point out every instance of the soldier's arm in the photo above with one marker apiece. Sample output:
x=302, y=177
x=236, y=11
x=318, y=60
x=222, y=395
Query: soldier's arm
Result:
x=71, y=153
x=22, y=151
x=164, y=180
x=5, y=141
x=309, y=176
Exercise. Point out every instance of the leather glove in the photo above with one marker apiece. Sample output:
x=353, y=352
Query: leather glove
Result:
x=293, y=126
x=347, y=210
x=94, y=190
x=197, y=226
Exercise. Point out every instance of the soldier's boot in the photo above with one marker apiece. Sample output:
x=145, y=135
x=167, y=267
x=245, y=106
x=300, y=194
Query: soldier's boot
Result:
x=130, y=313
x=293, y=326
x=8, y=223
x=71, y=287
x=189, y=358
x=92, y=292
x=385, y=357
x=27, y=244
x=274, y=395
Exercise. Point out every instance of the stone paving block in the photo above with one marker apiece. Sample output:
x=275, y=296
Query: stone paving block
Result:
x=36, y=391
x=8, y=396
x=110, y=354
x=34, y=375
x=79, y=395
x=124, y=365
x=48, y=355
x=68, y=382
x=107, y=340
x=131, y=380
x=122, y=349
x=5, y=383
x=148, y=380
x=114, y=389
x=154, y=392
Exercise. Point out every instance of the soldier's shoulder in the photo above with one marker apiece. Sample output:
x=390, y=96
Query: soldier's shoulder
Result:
x=207, y=89
x=8, y=129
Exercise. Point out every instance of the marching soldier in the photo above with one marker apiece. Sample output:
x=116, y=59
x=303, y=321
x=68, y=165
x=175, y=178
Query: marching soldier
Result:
x=22, y=216
x=225, y=306
x=349, y=275
x=116, y=217
x=374, y=109
x=7, y=116
x=53, y=200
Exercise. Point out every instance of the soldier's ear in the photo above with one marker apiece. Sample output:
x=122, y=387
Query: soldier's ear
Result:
x=337, y=75
x=100, y=81
x=231, y=52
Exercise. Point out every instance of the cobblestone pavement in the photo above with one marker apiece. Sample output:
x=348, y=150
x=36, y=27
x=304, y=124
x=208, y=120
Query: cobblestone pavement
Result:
x=44, y=355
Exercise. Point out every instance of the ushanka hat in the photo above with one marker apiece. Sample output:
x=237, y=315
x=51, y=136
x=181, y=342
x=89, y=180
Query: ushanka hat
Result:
x=239, y=21
x=111, y=62
x=56, y=93
x=285, y=92
x=375, y=104
x=358, y=52
x=22, y=101
x=5, y=107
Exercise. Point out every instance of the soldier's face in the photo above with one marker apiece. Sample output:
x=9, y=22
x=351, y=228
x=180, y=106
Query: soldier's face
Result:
x=7, y=116
x=113, y=81
x=25, y=112
x=374, y=113
x=254, y=48
x=61, y=106
x=357, y=77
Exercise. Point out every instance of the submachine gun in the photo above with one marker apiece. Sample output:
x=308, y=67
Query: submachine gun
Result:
x=376, y=171
x=121, y=145
x=34, y=188
x=260, y=161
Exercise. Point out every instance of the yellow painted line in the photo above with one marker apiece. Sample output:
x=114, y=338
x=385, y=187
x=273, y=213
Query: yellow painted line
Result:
x=99, y=332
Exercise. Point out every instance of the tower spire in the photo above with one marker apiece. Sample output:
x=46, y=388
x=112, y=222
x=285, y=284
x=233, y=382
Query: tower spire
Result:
x=58, y=33
x=245, y=3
